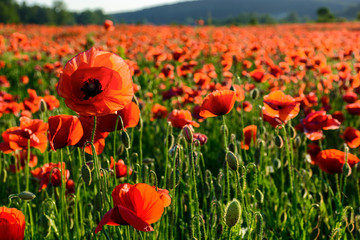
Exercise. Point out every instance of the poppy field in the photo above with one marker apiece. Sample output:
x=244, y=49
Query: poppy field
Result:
x=180, y=132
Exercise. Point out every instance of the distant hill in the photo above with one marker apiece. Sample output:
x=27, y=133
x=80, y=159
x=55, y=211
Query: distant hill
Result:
x=187, y=12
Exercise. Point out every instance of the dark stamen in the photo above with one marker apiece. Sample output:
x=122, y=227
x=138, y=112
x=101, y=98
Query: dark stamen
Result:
x=91, y=88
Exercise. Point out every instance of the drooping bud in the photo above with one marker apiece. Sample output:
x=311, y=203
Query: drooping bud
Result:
x=25, y=195
x=232, y=160
x=86, y=174
x=279, y=142
x=125, y=139
x=346, y=170
x=43, y=106
x=292, y=132
x=297, y=141
x=254, y=93
x=188, y=134
x=232, y=213
x=259, y=196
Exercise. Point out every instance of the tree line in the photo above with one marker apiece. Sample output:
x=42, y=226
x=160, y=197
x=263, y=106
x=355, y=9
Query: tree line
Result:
x=13, y=12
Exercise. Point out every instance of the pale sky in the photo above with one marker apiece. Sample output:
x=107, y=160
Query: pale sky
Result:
x=108, y=6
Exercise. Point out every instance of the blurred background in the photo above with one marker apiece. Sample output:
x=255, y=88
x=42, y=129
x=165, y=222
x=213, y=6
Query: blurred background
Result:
x=211, y=12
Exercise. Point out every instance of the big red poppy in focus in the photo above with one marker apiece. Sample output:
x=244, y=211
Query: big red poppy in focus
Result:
x=217, y=103
x=137, y=205
x=96, y=83
x=280, y=106
x=12, y=224
x=332, y=160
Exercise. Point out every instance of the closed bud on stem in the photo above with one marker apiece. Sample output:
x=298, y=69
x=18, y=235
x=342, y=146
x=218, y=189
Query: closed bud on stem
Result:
x=292, y=132
x=297, y=141
x=188, y=134
x=259, y=196
x=232, y=161
x=346, y=170
x=99, y=201
x=43, y=106
x=254, y=93
x=86, y=174
x=279, y=142
x=25, y=195
x=125, y=139
x=232, y=213
x=171, y=140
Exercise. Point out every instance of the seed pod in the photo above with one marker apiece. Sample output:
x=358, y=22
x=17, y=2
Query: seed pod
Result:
x=25, y=195
x=279, y=142
x=86, y=174
x=259, y=196
x=125, y=139
x=232, y=213
x=232, y=161
x=43, y=106
x=346, y=170
x=297, y=141
x=188, y=134
x=254, y=93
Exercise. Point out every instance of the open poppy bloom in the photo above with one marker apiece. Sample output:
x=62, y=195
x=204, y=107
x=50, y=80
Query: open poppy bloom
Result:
x=217, y=103
x=351, y=137
x=281, y=106
x=64, y=130
x=96, y=83
x=332, y=160
x=12, y=224
x=16, y=138
x=120, y=168
x=137, y=205
x=274, y=121
x=317, y=121
x=353, y=108
x=179, y=118
x=20, y=159
x=43, y=174
x=249, y=136
x=158, y=111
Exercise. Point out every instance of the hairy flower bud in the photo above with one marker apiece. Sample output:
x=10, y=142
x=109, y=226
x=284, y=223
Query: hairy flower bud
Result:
x=232, y=213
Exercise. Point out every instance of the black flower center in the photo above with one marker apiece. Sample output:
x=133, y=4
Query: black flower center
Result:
x=91, y=88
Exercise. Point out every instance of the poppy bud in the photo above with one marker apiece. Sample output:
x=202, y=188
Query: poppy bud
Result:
x=277, y=163
x=259, y=196
x=254, y=93
x=86, y=174
x=279, y=142
x=25, y=195
x=232, y=213
x=43, y=106
x=297, y=141
x=121, y=149
x=171, y=140
x=188, y=134
x=346, y=170
x=90, y=165
x=125, y=139
x=232, y=161
x=292, y=132
x=98, y=201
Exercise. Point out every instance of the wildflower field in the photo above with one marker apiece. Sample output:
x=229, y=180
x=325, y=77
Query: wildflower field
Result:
x=180, y=132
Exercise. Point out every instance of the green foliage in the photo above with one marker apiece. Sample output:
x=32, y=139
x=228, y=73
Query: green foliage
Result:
x=325, y=15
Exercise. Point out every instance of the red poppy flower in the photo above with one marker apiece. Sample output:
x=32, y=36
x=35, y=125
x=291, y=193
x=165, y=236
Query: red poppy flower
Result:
x=96, y=83
x=249, y=136
x=351, y=137
x=164, y=196
x=202, y=138
x=274, y=121
x=12, y=224
x=332, y=160
x=317, y=121
x=32, y=103
x=137, y=205
x=109, y=25
x=120, y=167
x=20, y=159
x=43, y=174
x=217, y=103
x=350, y=97
x=16, y=138
x=158, y=111
x=353, y=108
x=338, y=115
x=281, y=106
x=179, y=118
x=51, y=102
x=64, y=130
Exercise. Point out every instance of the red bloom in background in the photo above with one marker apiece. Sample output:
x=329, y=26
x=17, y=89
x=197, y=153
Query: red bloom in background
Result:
x=158, y=111
x=32, y=103
x=351, y=137
x=179, y=118
x=12, y=224
x=20, y=159
x=313, y=150
x=96, y=83
x=317, y=121
x=137, y=205
x=353, y=108
x=120, y=168
x=109, y=25
x=338, y=115
x=51, y=102
x=217, y=103
x=249, y=136
x=280, y=106
x=43, y=174
x=64, y=130
x=16, y=138
x=332, y=160
x=202, y=138
x=350, y=97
